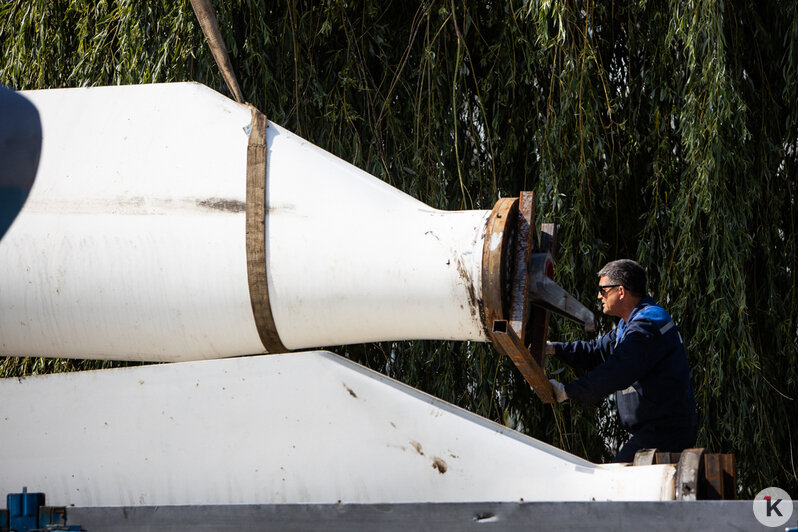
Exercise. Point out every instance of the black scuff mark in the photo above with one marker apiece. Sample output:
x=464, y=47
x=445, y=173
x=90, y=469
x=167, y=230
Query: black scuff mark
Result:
x=222, y=204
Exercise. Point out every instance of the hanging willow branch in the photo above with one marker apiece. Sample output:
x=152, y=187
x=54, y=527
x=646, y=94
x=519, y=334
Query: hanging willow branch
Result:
x=661, y=131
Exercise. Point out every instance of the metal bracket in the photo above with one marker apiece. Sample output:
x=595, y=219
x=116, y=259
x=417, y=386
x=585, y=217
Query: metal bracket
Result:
x=699, y=475
x=518, y=289
x=26, y=511
x=645, y=457
x=688, y=471
x=507, y=341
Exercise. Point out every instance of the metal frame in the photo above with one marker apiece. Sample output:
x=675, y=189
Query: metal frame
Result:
x=507, y=341
x=476, y=516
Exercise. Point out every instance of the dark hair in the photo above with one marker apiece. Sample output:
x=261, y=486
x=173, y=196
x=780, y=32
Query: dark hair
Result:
x=627, y=273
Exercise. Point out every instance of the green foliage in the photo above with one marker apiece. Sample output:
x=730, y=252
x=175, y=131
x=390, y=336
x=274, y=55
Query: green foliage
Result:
x=661, y=131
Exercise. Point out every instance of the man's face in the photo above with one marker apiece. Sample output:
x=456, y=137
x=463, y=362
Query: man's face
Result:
x=609, y=294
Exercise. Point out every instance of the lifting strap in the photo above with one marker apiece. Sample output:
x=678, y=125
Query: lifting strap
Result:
x=210, y=27
x=257, y=272
x=257, y=149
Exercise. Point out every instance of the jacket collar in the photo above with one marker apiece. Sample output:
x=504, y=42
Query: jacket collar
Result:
x=643, y=303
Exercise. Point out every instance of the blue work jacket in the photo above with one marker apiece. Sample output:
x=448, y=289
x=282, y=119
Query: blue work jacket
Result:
x=644, y=362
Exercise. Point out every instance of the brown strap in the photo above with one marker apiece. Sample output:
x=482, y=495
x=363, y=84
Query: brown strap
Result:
x=256, y=235
x=210, y=27
x=256, y=186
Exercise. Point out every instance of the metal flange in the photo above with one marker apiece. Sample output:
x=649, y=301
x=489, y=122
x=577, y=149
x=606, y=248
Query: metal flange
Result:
x=496, y=260
x=509, y=241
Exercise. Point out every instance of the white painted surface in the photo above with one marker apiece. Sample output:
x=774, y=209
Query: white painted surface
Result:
x=132, y=242
x=300, y=428
x=352, y=259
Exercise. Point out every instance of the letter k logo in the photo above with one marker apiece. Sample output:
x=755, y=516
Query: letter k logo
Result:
x=773, y=506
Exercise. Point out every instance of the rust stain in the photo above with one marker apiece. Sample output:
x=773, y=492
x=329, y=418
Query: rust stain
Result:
x=351, y=392
x=440, y=465
x=222, y=204
x=483, y=317
x=475, y=306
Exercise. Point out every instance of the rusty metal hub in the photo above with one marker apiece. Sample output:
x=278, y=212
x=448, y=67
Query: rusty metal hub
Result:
x=519, y=291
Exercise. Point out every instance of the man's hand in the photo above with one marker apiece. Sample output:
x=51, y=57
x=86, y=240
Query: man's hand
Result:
x=559, y=390
x=549, y=350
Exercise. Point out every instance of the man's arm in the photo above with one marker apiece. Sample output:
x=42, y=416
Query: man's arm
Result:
x=639, y=351
x=585, y=355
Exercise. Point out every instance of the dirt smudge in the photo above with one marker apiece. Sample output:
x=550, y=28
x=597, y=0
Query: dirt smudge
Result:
x=222, y=204
x=417, y=447
x=474, y=304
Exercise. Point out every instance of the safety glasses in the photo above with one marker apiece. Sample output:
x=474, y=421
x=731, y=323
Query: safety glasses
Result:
x=604, y=289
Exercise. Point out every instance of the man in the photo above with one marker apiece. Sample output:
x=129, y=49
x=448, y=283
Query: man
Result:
x=642, y=360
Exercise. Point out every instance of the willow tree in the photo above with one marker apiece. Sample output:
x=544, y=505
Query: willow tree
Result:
x=661, y=131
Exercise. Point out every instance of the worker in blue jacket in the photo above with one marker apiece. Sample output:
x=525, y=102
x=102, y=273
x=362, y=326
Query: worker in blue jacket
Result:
x=642, y=360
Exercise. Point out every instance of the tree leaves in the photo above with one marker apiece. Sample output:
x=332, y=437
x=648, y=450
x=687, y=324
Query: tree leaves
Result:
x=662, y=131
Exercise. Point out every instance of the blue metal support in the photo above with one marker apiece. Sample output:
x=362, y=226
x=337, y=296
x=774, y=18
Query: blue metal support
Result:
x=27, y=513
